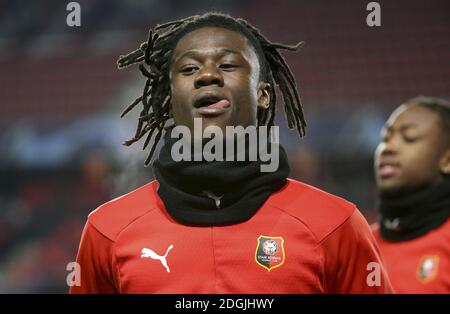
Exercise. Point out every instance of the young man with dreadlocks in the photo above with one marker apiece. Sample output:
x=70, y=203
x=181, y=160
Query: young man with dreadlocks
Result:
x=222, y=226
x=412, y=167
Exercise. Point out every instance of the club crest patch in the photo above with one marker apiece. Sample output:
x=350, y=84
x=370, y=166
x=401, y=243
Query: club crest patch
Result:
x=428, y=268
x=270, y=252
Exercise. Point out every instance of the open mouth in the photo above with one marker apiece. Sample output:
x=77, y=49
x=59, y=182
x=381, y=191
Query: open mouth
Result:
x=212, y=105
x=386, y=170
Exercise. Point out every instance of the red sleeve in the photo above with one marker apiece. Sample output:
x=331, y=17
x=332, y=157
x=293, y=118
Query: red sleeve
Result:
x=352, y=261
x=97, y=264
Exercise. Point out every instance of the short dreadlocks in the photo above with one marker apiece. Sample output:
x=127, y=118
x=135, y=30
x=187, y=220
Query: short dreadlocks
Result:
x=154, y=58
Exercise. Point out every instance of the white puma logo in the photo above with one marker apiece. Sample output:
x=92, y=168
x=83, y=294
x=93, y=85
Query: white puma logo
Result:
x=393, y=224
x=151, y=254
x=214, y=197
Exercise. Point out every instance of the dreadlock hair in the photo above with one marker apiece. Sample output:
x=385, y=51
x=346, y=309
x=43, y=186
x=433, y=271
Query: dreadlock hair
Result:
x=154, y=58
x=439, y=106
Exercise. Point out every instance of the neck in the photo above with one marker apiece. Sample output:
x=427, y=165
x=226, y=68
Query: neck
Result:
x=215, y=192
x=409, y=215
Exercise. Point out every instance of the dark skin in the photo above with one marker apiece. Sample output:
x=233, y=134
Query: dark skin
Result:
x=413, y=153
x=220, y=67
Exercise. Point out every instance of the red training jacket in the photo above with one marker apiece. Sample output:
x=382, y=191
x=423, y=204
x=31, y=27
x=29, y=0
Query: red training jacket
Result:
x=302, y=240
x=420, y=265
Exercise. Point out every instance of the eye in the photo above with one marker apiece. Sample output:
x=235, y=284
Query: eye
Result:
x=189, y=69
x=228, y=66
x=410, y=139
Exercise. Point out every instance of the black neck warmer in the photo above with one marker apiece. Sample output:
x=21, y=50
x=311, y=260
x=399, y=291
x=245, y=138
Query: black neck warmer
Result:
x=201, y=193
x=411, y=216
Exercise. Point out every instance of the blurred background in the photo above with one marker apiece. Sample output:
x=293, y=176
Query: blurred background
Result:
x=61, y=96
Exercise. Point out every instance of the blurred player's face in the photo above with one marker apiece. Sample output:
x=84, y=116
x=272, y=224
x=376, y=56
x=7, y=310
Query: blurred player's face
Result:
x=215, y=76
x=412, y=150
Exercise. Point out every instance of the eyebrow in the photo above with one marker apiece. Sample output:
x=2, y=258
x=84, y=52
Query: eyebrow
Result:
x=193, y=52
x=403, y=127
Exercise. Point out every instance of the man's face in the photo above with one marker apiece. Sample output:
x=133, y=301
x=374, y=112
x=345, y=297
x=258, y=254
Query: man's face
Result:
x=408, y=157
x=214, y=75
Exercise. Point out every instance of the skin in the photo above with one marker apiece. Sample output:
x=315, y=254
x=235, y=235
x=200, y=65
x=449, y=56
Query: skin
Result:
x=413, y=152
x=219, y=62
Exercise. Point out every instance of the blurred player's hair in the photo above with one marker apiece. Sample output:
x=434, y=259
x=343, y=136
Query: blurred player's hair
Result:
x=438, y=105
x=154, y=57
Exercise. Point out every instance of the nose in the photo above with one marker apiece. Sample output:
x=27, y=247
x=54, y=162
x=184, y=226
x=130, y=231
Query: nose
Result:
x=209, y=75
x=389, y=146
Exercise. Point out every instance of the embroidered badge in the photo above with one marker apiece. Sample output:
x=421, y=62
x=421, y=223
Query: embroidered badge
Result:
x=270, y=252
x=428, y=268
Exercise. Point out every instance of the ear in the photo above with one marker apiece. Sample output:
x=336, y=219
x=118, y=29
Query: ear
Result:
x=263, y=95
x=444, y=162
